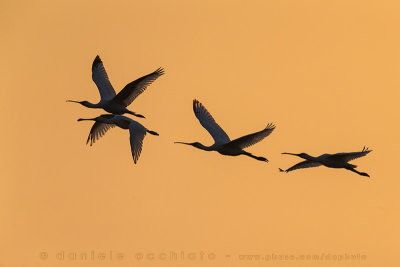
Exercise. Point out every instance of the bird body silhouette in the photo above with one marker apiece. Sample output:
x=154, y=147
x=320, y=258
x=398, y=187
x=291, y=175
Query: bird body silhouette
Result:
x=104, y=122
x=338, y=160
x=117, y=103
x=222, y=142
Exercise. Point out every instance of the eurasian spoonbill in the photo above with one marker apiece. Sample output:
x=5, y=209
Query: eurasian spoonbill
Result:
x=111, y=102
x=104, y=122
x=223, y=144
x=338, y=160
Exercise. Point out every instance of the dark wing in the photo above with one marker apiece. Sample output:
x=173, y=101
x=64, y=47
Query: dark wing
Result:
x=100, y=78
x=135, y=88
x=97, y=131
x=302, y=165
x=208, y=122
x=251, y=139
x=352, y=155
x=137, y=134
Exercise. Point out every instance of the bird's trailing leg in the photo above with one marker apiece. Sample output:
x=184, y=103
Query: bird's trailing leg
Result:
x=360, y=173
x=255, y=157
x=135, y=114
x=152, y=132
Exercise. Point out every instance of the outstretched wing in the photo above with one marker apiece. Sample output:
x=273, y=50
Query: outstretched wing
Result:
x=302, y=165
x=208, y=122
x=251, y=139
x=352, y=155
x=137, y=134
x=97, y=131
x=135, y=88
x=100, y=78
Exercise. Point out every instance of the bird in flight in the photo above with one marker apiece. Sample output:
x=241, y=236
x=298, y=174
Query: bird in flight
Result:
x=222, y=143
x=104, y=122
x=338, y=160
x=117, y=103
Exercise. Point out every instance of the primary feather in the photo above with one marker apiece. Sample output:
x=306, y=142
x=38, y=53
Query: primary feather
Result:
x=98, y=130
x=208, y=122
x=100, y=78
x=135, y=88
x=254, y=138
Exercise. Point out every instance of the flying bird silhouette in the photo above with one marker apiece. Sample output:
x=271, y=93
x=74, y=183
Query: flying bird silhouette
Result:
x=111, y=102
x=104, y=122
x=222, y=143
x=338, y=160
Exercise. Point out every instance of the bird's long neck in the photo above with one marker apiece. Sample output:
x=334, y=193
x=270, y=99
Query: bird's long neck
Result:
x=87, y=119
x=91, y=105
x=303, y=156
x=202, y=147
x=197, y=145
x=86, y=104
x=308, y=157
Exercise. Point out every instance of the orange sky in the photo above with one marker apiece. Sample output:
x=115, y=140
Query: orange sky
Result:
x=325, y=72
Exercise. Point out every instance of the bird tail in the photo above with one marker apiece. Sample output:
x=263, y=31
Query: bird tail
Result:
x=152, y=132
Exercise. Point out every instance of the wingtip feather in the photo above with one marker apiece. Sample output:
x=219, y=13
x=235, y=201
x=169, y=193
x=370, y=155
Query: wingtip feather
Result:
x=160, y=71
x=96, y=61
x=195, y=104
x=270, y=126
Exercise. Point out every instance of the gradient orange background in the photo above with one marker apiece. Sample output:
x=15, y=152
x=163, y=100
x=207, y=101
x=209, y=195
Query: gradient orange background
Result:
x=325, y=72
